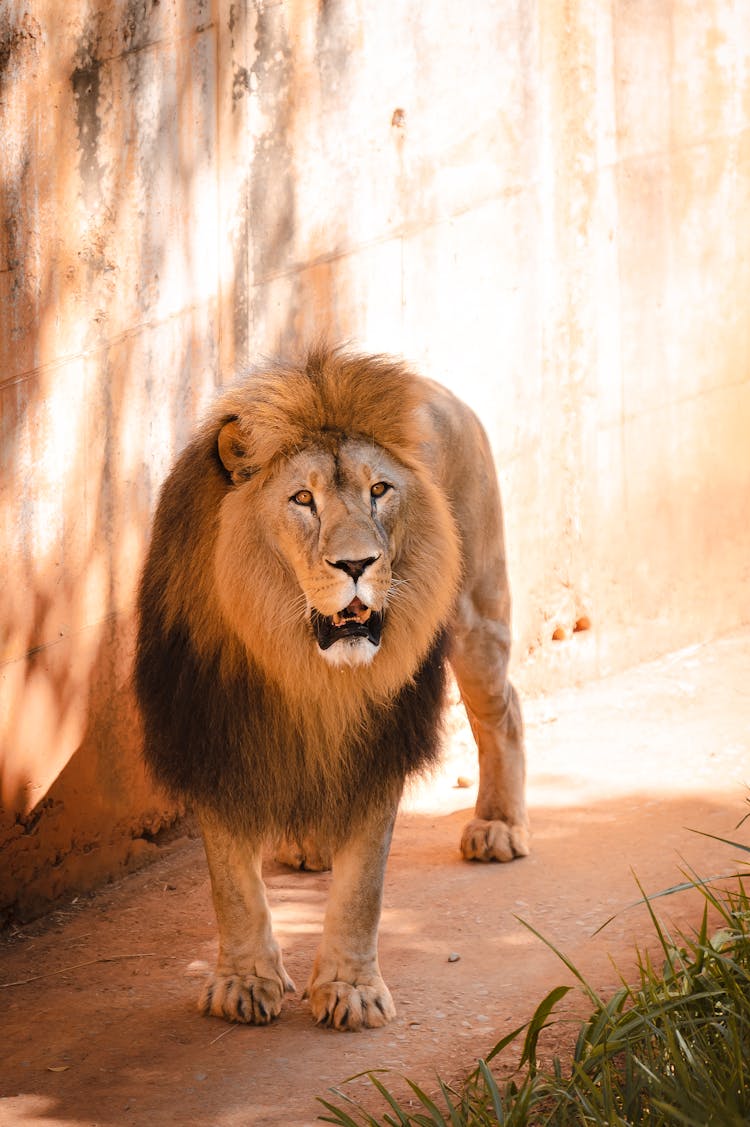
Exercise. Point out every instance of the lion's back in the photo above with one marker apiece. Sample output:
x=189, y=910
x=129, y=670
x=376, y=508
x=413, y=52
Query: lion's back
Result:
x=461, y=458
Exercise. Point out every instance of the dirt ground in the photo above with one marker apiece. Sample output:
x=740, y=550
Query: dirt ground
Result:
x=97, y=1002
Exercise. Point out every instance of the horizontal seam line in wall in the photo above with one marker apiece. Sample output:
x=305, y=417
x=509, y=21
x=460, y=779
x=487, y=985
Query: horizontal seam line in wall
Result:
x=399, y=233
x=103, y=346
x=690, y=146
x=703, y=393
x=34, y=650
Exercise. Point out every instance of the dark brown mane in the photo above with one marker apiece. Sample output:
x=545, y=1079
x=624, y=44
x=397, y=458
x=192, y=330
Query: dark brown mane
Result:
x=223, y=742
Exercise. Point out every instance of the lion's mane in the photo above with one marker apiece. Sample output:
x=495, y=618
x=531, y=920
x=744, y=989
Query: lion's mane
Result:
x=245, y=720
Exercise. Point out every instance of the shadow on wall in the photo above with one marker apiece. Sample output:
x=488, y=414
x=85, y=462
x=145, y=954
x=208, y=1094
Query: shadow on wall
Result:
x=108, y=349
x=151, y=244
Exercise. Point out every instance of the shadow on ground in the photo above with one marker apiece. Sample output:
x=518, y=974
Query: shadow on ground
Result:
x=105, y=1030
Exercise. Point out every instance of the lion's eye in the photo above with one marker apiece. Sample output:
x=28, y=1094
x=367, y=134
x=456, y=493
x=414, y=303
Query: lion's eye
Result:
x=304, y=497
x=379, y=489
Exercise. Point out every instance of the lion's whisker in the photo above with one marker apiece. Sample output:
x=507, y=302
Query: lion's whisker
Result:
x=396, y=585
x=396, y=594
x=296, y=612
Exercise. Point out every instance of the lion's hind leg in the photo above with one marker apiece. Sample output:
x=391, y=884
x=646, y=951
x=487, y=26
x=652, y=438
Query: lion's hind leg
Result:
x=249, y=982
x=305, y=854
x=499, y=830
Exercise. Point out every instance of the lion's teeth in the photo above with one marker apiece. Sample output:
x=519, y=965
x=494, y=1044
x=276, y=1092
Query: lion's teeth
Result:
x=359, y=613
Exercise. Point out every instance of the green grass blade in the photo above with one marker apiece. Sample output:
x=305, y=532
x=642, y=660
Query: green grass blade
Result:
x=437, y=1116
x=538, y=1023
x=447, y=1093
x=503, y=1044
x=493, y=1092
x=340, y=1116
x=563, y=959
x=724, y=840
x=403, y=1116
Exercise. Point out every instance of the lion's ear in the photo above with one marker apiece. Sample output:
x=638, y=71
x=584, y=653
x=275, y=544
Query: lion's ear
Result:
x=234, y=453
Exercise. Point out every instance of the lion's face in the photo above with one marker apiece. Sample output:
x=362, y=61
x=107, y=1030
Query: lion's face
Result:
x=336, y=558
x=336, y=519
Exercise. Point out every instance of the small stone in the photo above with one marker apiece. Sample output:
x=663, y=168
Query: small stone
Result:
x=463, y=781
x=454, y=957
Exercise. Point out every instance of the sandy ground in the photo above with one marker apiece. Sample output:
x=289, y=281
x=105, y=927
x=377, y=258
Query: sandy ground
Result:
x=97, y=1001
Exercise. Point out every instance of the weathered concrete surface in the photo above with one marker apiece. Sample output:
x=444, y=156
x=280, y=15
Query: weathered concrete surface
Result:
x=545, y=206
x=109, y=343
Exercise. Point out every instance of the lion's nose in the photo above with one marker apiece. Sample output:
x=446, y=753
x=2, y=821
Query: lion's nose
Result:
x=353, y=568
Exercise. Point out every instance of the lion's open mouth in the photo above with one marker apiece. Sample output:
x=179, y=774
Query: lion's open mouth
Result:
x=354, y=621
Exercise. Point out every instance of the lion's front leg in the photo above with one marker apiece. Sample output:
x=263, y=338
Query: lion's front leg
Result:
x=249, y=981
x=346, y=989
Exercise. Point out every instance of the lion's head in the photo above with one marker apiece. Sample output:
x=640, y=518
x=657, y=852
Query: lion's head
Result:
x=335, y=548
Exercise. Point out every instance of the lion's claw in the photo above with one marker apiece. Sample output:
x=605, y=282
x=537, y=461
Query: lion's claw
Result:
x=340, y=1005
x=245, y=998
x=494, y=840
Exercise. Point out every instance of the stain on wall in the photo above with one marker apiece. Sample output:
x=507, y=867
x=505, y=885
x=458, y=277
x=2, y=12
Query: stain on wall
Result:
x=109, y=341
x=545, y=207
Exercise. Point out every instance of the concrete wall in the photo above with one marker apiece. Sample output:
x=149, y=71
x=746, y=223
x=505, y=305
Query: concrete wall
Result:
x=545, y=205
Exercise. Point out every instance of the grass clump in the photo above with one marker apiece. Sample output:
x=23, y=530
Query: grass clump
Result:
x=671, y=1051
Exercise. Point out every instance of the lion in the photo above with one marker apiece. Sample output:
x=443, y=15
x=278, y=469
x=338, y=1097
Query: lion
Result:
x=329, y=541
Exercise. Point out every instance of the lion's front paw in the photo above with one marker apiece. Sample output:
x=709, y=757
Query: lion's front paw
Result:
x=244, y=997
x=340, y=1005
x=494, y=840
